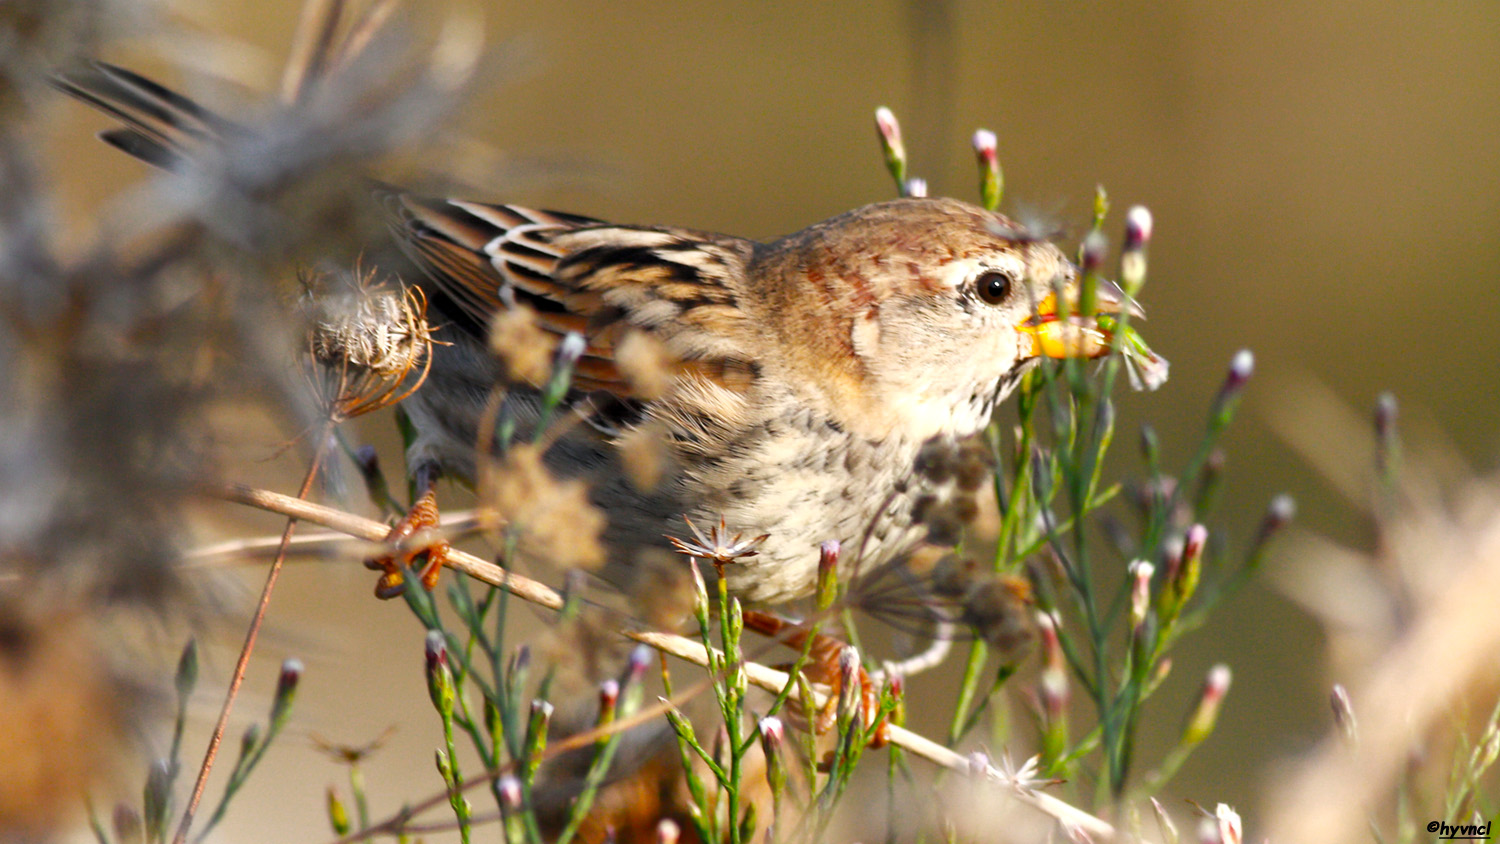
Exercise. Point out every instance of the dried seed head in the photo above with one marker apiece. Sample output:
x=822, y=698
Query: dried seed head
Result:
x=645, y=454
x=944, y=523
x=553, y=518
x=955, y=470
x=973, y=464
x=64, y=711
x=523, y=349
x=935, y=461
x=583, y=650
x=717, y=546
x=370, y=345
x=647, y=364
x=127, y=823
x=998, y=609
x=660, y=590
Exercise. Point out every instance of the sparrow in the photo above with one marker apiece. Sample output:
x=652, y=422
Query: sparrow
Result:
x=808, y=372
x=804, y=377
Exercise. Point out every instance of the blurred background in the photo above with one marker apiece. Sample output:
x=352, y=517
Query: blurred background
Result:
x=1325, y=181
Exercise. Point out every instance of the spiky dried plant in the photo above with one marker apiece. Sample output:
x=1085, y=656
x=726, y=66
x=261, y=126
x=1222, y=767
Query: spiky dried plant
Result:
x=112, y=358
x=368, y=345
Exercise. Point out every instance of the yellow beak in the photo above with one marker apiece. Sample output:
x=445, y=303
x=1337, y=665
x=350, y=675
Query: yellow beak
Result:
x=1080, y=335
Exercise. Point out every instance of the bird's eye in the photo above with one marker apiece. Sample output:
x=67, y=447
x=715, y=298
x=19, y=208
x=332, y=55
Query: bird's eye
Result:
x=993, y=287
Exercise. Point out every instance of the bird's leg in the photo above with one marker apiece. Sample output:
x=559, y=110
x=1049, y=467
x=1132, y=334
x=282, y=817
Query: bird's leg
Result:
x=423, y=515
x=824, y=653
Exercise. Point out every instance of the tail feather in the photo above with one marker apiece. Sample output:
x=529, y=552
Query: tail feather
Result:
x=162, y=127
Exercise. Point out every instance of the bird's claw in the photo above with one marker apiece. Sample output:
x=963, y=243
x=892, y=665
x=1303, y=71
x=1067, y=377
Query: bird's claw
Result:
x=393, y=566
x=871, y=719
x=834, y=664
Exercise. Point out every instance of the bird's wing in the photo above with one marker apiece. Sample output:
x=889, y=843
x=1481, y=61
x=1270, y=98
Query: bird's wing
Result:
x=582, y=276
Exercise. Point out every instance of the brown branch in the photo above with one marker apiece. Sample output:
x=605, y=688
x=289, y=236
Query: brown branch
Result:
x=251, y=634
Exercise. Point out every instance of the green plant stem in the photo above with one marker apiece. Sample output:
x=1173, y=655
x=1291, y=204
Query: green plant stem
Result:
x=978, y=653
x=361, y=801
x=455, y=779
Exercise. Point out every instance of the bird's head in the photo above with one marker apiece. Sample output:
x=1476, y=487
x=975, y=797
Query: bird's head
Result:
x=918, y=315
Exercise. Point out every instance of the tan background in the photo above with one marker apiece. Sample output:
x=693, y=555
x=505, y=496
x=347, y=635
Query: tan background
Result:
x=1325, y=179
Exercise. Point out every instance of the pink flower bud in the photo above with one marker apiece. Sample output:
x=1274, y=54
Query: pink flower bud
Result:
x=509, y=788
x=1193, y=542
x=640, y=660
x=1280, y=512
x=991, y=185
x=890, y=143
x=1385, y=416
x=889, y=128
x=1206, y=713
x=1137, y=228
x=436, y=652
x=571, y=349
x=609, y=694
x=1095, y=247
x=1140, y=591
x=286, y=690
x=772, y=732
x=985, y=145
x=1241, y=367
x=828, y=556
x=1052, y=684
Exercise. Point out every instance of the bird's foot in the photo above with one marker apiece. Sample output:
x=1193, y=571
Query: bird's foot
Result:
x=393, y=566
x=833, y=663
